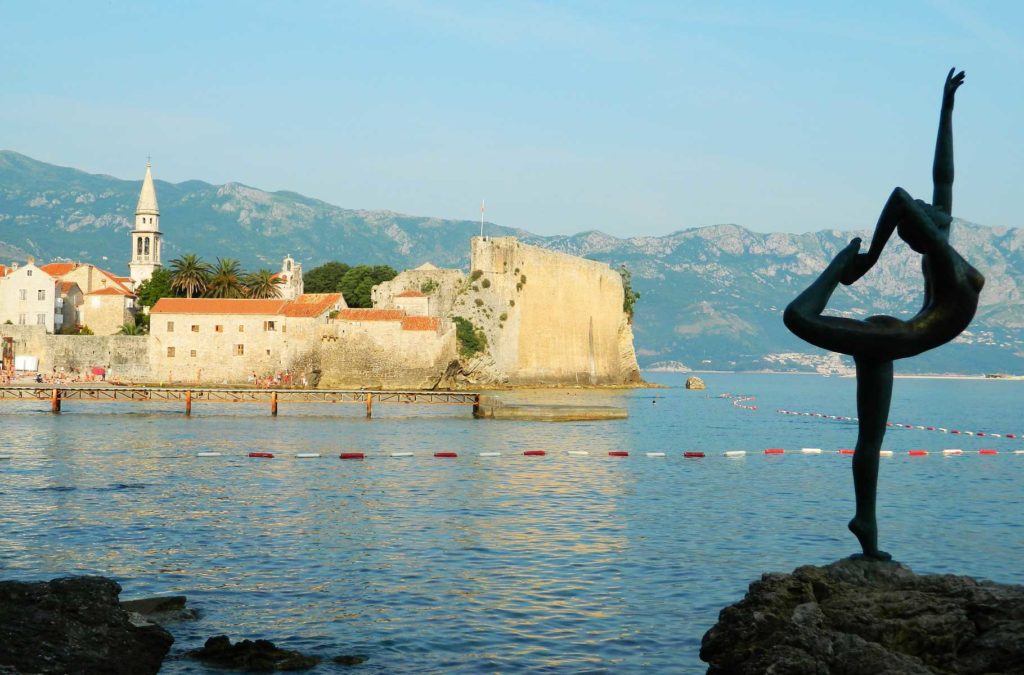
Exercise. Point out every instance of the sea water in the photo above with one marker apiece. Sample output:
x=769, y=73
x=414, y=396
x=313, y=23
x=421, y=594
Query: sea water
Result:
x=511, y=563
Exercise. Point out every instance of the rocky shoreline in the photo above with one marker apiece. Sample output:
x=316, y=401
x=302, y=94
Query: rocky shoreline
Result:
x=859, y=616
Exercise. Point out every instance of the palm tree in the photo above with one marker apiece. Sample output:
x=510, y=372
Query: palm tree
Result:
x=131, y=328
x=263, y=284
x=190, y=275
x=226, y=280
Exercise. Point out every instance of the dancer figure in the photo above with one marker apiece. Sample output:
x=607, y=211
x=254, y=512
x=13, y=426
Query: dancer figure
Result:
x=952, y=288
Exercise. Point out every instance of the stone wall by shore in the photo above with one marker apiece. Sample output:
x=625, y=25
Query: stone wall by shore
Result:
x=125, y=356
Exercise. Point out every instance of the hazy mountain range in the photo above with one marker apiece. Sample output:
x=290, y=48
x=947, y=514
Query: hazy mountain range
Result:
x=711, y=297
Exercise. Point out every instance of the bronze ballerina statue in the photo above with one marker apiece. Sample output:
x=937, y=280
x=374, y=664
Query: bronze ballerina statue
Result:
x=952, y=288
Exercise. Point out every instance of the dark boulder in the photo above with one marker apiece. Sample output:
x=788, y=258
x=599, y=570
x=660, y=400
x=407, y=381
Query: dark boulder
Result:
x=161, y=609
x=858, y=616
x=251, y=655
x=75, y=625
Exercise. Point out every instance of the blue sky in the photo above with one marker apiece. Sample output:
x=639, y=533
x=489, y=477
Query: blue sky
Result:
x=628, y=117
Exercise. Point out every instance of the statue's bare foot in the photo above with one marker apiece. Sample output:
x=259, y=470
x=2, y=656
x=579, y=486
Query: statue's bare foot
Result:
x=867, y=535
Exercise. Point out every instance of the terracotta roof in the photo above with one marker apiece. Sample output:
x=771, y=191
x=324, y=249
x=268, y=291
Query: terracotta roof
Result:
x=123, y=280
x=410, y=294
x=359, y=314
x=112, y=290
x=66, y=286
x=312, y=304
x=420, y=323
x=217, y=306
x=58, y=269
x=3, y=270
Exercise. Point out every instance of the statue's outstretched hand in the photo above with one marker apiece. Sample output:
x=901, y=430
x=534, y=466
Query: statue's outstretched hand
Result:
x=854, y=264
x=953, y=83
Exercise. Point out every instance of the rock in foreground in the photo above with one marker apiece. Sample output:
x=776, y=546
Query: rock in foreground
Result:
x=857, y=616
x=251, y=655
x=75, y=625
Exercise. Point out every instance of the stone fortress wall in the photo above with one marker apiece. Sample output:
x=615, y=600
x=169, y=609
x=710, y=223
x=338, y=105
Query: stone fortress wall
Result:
x=126, y=356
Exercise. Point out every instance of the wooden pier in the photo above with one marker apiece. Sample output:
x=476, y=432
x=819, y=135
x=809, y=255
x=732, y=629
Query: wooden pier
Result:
x=272, y=398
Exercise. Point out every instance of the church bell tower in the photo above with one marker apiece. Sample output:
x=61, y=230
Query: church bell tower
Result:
x=146, y=242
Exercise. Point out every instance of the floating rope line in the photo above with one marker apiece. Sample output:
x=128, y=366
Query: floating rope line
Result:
x=740, y=400
x=901, y=425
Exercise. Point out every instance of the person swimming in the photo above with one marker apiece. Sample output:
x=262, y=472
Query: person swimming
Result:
x=952, y=290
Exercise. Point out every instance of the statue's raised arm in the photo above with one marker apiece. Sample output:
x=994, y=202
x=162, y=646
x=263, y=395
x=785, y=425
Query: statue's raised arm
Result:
x=942, y=168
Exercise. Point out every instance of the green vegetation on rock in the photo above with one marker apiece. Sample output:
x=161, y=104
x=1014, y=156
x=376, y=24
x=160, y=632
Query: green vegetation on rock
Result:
x=471, y=339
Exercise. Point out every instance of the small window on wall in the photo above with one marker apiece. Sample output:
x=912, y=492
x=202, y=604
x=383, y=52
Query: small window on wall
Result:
x=218, y=329
x=41, y=319
x=23, y=294
x=268, y=325
x=268, y=352
x=41, y=295
x=241, y=328
x=239, y=350
x=170, y=326
x=170, y=351
x=192, y=353
x=195, y=328
x=28, y=273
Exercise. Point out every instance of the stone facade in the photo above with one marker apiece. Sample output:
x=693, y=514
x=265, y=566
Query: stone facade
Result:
x=108, y=301
x=126, y=357
x=549, y=317
x=441, y=286
x=30, y=297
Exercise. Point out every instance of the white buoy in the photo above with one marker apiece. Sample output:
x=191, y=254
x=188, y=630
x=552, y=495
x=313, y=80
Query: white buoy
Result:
x=489, y=454
x=886, y=453
x=967, y=433
x=207, y=454
x=2, y=457
x=943, y=430
x=996, y=435
x=655, y=454
x=810, y=451
x=1018, y=452
x=735, y=453
x=578, y=452
x=401, y=454
x=307, y=455
x=952, y=451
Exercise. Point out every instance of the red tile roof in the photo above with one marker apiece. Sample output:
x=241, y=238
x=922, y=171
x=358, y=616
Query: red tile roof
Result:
x=312, y=304
x=217, y=306
x=3, y=270
x=112, y=290
x=58, y=269
x=420, y=323
x=359, y=314
x=63, y=268
x=410, y=294
x=66, y=286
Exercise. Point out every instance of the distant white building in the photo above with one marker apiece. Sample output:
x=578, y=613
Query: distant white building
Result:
x=31, y=297
x=146, y=242
x=291, y=279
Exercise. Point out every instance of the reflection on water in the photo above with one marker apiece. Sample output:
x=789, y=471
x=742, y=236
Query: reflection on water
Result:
x=508, y=563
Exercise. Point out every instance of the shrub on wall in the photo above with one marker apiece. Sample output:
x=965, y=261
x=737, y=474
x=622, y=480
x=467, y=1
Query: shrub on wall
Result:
x=471, y=339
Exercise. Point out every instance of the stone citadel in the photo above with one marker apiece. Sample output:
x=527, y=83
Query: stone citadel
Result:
x=546, y=318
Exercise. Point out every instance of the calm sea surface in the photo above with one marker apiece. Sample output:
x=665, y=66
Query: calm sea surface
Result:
x=497, y=564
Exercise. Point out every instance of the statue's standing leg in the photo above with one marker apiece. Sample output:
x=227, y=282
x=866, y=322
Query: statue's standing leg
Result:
x=874, y=394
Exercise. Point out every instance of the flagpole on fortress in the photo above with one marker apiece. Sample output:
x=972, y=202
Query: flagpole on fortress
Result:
x=481, y=219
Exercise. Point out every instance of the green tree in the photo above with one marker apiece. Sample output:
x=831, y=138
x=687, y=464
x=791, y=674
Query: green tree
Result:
x=629, y=296
x=130, y=328
x=359, y=281
x=470, y=338
x=191, y=275
x=157, y=286
x=262, y=284
x=226, y=280
x=326, y=278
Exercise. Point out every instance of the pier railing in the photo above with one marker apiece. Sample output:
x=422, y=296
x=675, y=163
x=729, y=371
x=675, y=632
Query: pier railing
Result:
x=272, y=397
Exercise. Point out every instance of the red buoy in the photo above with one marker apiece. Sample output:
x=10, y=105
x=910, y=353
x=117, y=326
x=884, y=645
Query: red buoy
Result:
x=535, y=453
x=618, y=453
x=265, y=455
x=1009, y=435
x=693, y=455
x=980, y=433
x=351, y=455
x=446, y=454
x=930, y=428
x=774, y=451
x=845, y=451
x=953, y=431
x=988, y=451
x=917, y=453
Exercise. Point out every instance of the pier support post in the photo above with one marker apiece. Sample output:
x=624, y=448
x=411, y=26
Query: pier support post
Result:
x=369, y=405
x=55, y=401
x=188, y=403
x=273, y=403
x=476, y=406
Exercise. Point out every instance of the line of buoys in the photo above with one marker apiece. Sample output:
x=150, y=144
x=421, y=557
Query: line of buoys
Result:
x=810, y=451
x=735, y=453
x=901, y=425
x=446, y=454
x=618, y=453
x=262, y=455
x=534, y=453
x=693, y=454
x=774, y=451
x=352, y=455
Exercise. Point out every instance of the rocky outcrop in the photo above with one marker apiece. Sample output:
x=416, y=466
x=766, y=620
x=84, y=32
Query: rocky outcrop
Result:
x=857, y=616
x=75, y=625
x=251, y=655
x=694, y=382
